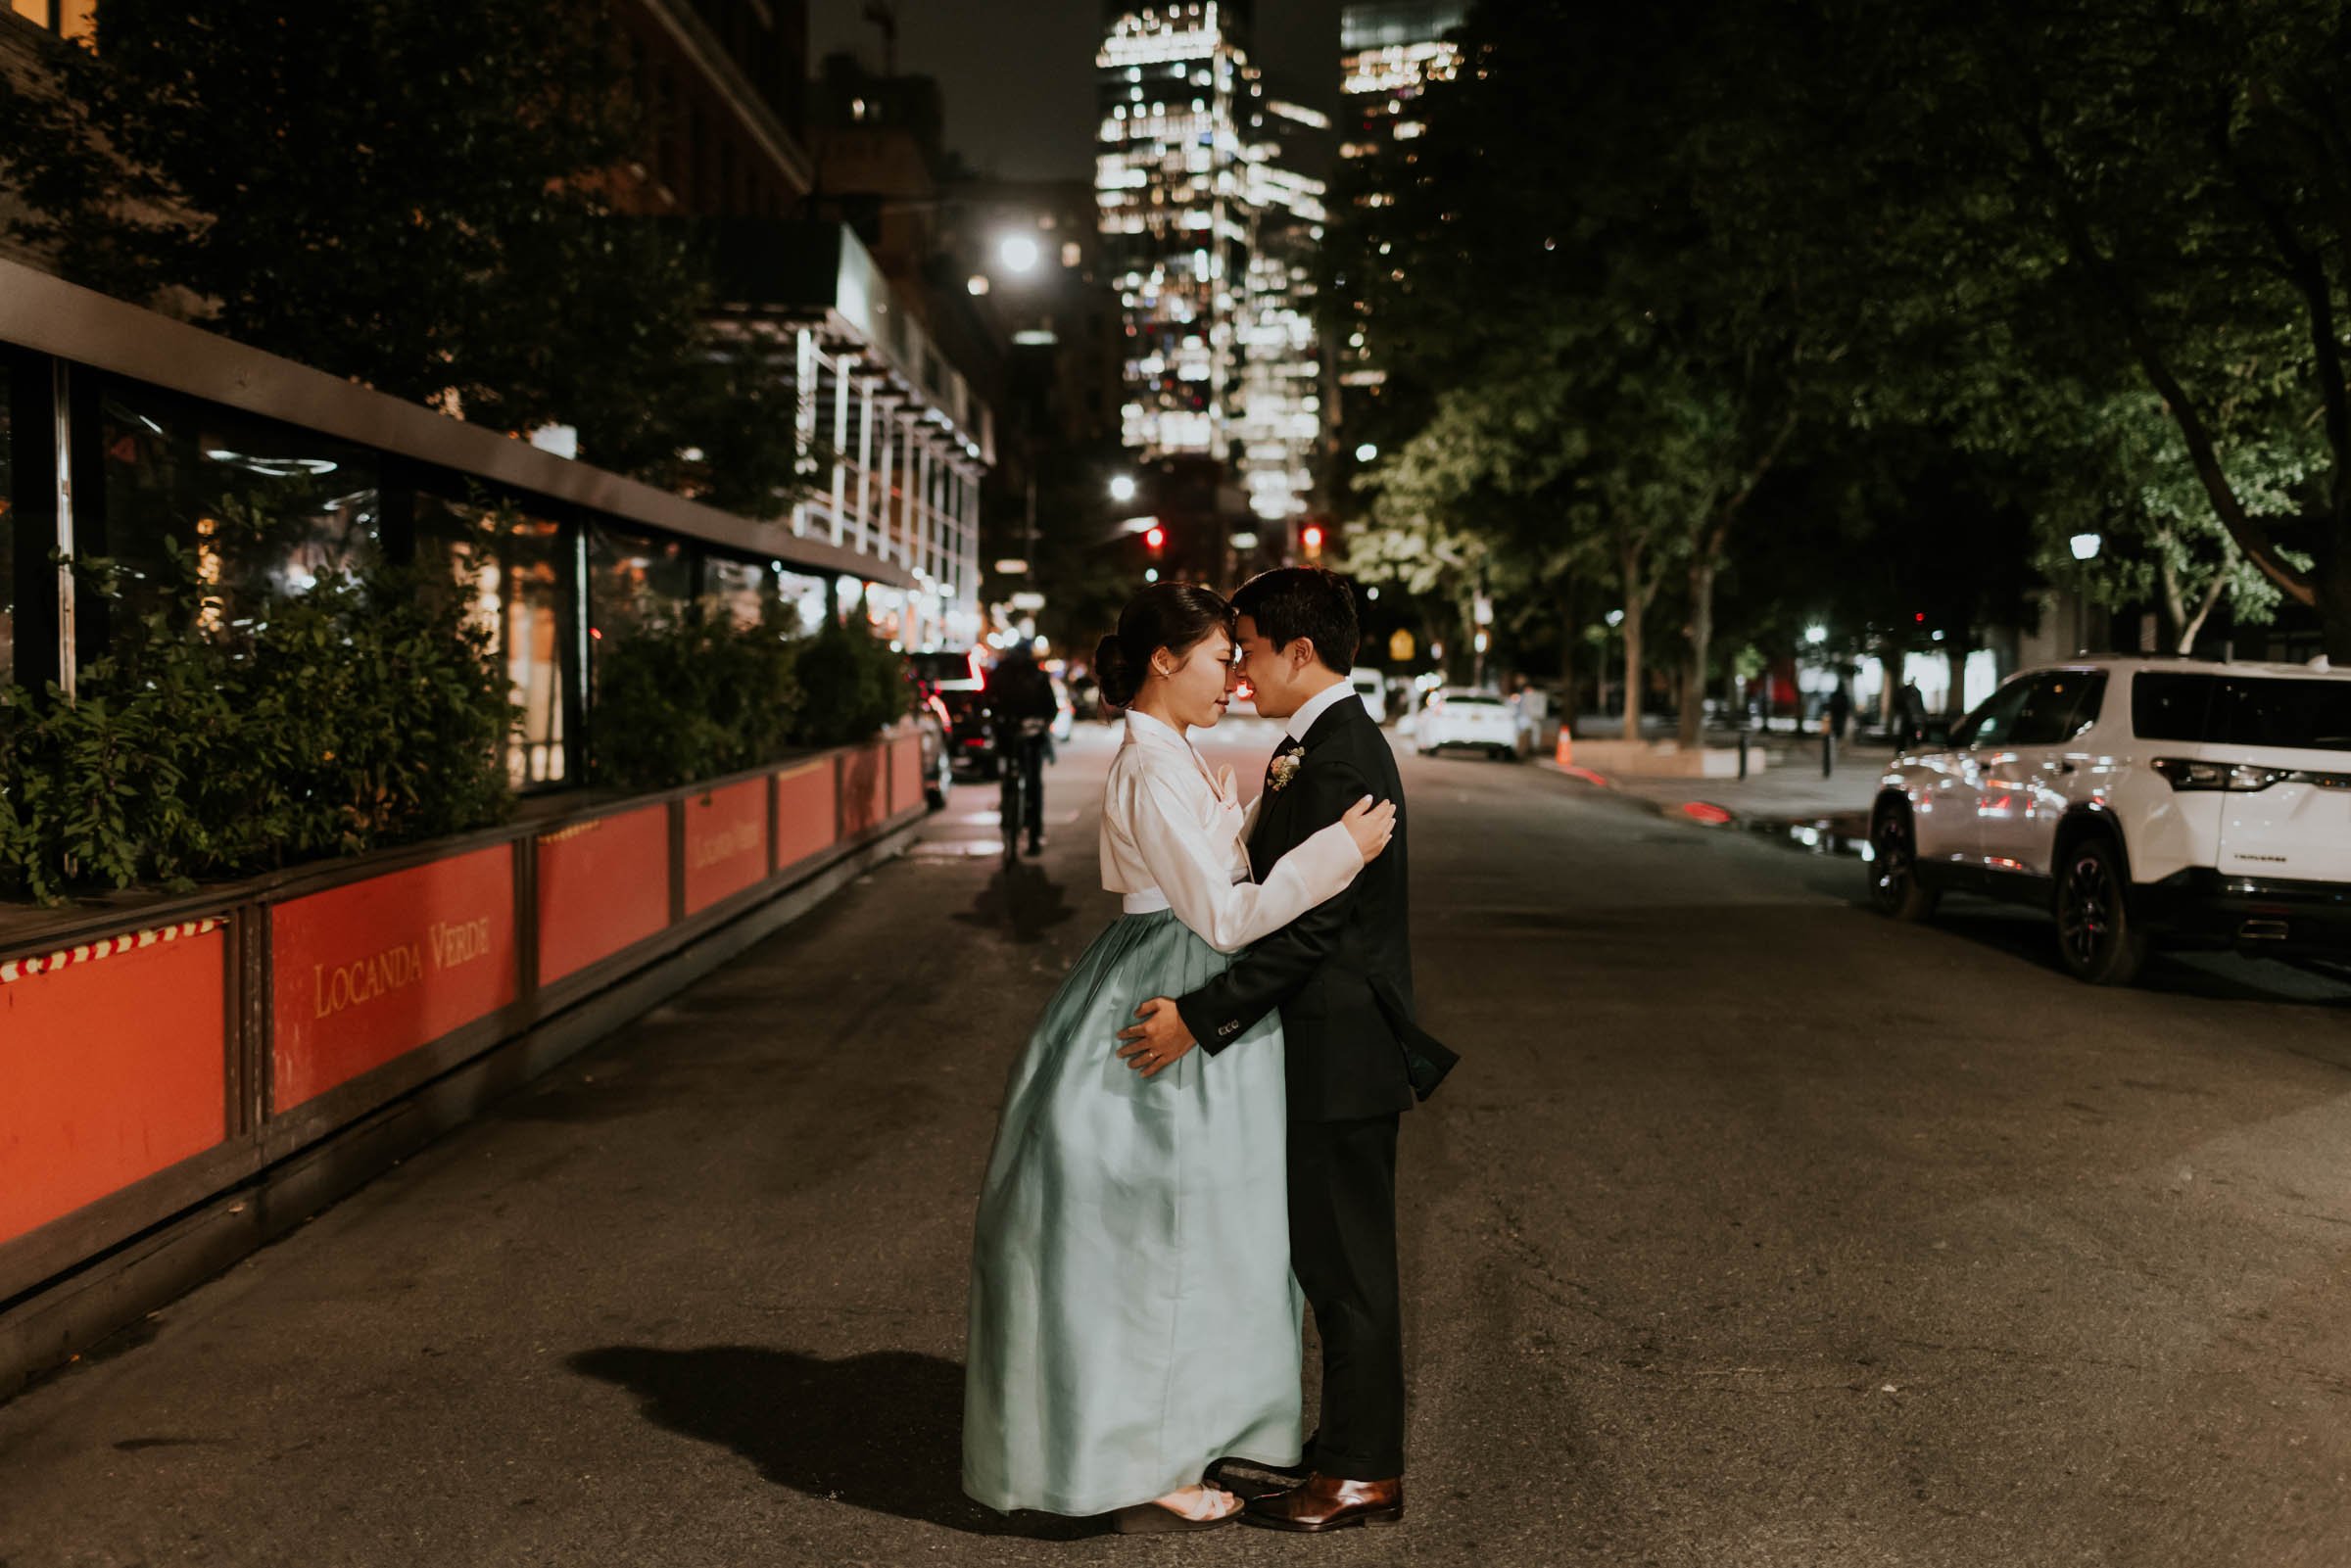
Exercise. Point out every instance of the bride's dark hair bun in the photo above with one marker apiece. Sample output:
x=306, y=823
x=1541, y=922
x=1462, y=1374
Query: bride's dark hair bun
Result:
x=1112, y=673
x=1176, y=616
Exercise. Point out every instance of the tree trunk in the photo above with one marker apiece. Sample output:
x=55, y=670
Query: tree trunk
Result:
x=2171, y=595
x=1702, y=568
x=2193, y=626
x=1635, y=597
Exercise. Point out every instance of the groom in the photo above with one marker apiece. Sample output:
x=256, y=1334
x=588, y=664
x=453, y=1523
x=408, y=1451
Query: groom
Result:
x=1342, y=976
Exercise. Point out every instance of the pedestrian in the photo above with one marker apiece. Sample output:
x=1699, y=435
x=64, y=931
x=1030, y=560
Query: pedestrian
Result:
x=1342, y=976
x=1133, y=1313
x=1021, y=707
x=1911, y=714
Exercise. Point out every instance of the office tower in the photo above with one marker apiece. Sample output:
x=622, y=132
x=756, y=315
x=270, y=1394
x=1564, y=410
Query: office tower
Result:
x=1280, y=411
x=1172, y=179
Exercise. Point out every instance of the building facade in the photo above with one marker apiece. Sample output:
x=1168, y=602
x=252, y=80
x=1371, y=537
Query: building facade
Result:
x=1176, y=96
x=1281, y=411
x=1210, y=203
x=892, y=436
x=1389, y=52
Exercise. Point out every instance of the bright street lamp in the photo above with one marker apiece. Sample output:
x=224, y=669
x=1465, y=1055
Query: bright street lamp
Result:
x=1816, y=635
x=1018, y=252
x=2086, y=550
x=1365, y=453
x=1121, y=487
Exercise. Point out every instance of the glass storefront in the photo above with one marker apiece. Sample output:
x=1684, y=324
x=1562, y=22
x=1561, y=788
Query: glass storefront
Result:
x=226, y=509
x=8, y=530
x=749, y=591
x=634, y=581
x=521, y=566
x=737, y=593
x=73, y=19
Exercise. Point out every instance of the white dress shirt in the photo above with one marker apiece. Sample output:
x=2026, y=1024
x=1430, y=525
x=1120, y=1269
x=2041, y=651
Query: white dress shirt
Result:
x=1314, y=707
x=1171, y=839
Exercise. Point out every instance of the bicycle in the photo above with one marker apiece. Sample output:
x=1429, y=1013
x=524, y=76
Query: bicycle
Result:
x=1012, y=756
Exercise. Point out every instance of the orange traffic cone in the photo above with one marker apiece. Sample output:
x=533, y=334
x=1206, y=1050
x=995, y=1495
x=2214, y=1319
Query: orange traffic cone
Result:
x=1565, y=756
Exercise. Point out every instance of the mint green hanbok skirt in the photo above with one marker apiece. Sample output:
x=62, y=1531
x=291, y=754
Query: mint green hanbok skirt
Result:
x=1133, y=1313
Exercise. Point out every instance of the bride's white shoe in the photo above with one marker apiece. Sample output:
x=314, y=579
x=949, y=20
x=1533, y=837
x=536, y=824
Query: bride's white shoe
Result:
x=1199, y=1506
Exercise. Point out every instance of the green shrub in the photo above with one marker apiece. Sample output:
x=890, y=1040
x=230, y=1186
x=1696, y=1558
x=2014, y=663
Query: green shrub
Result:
x=851, y=685
x=694, y=698
x=366, y=711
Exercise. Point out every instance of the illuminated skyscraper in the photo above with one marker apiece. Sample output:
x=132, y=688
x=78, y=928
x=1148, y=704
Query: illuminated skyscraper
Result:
x=1389, y=52
x=1171, y=177
x=1279, y=413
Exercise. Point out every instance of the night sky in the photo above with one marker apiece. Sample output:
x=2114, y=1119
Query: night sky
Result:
x=1017, y=74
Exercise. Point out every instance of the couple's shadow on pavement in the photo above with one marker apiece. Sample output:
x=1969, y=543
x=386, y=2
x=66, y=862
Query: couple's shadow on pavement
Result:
x=882, y=1432
x=1019, y=901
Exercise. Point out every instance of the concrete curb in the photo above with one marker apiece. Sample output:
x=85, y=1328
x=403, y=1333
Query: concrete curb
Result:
x=1816, y=832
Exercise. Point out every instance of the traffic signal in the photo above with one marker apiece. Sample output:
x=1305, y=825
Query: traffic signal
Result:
x=1154, y=538
x=1309, y=539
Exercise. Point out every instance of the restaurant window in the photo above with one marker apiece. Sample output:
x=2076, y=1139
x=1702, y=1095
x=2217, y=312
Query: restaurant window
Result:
x=748, y=593
x=736, y=594
x=519, y=566
x=246, y=509
x=71, y=18
x=8, y=531
x=634, y=581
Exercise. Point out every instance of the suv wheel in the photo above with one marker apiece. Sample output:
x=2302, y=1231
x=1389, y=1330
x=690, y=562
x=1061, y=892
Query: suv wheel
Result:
x=2096, y=936
x=1894, y=886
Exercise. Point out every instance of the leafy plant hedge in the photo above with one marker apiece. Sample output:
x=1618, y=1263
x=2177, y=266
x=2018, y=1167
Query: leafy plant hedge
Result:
x=697, y=696
x=371, y=710
x=366, y=711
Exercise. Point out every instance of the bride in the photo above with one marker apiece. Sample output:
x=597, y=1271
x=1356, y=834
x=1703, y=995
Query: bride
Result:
x=1132, y=1316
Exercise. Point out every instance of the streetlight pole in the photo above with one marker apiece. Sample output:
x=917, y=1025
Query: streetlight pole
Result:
x=2086, y=550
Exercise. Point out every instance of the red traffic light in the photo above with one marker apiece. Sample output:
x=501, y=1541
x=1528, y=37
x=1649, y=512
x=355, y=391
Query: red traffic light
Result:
x=1155, y=538
x=1310, y=536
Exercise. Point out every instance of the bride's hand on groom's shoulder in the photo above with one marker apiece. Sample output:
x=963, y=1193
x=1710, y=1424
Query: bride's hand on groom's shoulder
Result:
x=1372, y=825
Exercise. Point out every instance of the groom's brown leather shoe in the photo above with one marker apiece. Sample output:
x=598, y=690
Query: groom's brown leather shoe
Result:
x=1326, y=1503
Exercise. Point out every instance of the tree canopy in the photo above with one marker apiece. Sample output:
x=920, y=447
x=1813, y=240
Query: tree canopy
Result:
x=412, y=197
x=1666, y=291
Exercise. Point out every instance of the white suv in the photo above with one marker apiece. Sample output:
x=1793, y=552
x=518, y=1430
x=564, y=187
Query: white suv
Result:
x=2138, y=800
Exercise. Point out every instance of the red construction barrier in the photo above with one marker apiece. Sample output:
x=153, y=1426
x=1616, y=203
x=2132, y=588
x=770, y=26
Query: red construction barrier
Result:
x=112, y=1068
x=807, y=812
x=864, y=790
x=365, y=971
x=603, y=886
x=905, y=773
x=726, y=842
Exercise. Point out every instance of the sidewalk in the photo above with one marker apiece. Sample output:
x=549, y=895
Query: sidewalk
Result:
x=1791, y=790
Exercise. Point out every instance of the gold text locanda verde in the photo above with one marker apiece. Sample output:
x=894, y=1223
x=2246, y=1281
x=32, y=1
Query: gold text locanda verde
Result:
x=448, y=945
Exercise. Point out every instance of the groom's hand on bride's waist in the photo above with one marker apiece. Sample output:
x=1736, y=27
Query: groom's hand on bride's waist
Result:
x=1159, y=1041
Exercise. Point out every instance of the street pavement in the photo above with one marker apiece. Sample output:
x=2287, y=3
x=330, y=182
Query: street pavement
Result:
x=1753, y=1229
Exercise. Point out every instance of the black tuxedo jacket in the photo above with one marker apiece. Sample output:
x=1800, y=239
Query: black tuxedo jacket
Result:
x=1341, y=973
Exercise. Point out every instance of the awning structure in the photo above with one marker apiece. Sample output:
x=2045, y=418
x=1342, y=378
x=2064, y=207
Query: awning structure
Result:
x=898, y=441
x=48, y=315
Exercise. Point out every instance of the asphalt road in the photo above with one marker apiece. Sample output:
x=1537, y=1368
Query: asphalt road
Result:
x=1753, y=1230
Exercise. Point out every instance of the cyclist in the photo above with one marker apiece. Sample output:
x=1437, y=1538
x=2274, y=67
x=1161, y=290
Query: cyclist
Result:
x=1022, y=706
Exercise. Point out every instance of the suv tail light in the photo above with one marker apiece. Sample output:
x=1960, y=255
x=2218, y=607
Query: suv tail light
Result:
x=2242, y=778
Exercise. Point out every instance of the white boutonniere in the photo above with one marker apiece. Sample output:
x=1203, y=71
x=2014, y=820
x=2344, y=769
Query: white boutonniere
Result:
x=1285, y=767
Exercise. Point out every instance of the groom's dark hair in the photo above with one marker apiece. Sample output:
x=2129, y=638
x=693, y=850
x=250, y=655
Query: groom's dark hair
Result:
x=1290, y=602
